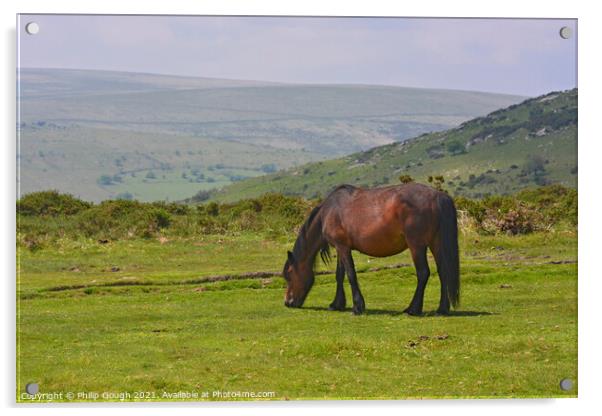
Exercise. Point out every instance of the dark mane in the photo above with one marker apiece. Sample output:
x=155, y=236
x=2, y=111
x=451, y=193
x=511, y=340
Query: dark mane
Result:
x=345, y=187
x=302, y=237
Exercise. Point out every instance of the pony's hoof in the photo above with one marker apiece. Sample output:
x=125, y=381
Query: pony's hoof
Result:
x=335, y=307
x=442, y=312
x=412, y=312
x=358, y=309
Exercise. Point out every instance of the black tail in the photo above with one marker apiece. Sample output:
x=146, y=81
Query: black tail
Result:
x=449, y=258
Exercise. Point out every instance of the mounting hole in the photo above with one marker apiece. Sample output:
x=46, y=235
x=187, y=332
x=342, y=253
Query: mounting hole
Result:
x=32, y=28
x=566, y=384
x=32, y=388
x=566, y=32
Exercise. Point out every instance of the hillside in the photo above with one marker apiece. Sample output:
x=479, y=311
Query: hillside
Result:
x=101, y=134
x=532, y=143
x=57, y=83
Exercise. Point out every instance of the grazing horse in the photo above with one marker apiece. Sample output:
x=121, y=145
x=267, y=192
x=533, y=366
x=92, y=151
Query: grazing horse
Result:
x=378, y=222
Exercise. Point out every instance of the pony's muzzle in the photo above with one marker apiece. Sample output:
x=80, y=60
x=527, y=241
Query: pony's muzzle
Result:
x=291, y=303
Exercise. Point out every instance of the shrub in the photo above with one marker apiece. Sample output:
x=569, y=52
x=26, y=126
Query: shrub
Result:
x=437, y=182
x=535, y=164
x=474, y=208
x=555, y=201
x=45, y=217
x=290, y=208
x=436, y=151
x=522, y=219
x=50, y=203
x=482, y=179
x=455, y=148
x=173, y=208
x=160, y=218
x=212, y=209
x=530, y=210
x=121, y=219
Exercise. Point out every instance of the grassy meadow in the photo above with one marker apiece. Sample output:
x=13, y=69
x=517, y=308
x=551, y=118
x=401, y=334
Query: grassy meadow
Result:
x=133, y=305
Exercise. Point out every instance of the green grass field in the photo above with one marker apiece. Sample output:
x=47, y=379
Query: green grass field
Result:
x=136, y=316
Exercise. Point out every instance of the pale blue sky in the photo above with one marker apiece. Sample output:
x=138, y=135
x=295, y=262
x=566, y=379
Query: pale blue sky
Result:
x=514, y=56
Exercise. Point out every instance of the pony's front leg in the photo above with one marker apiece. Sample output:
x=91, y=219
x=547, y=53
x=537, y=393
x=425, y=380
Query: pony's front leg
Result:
x=338, y=304
x=358, y=300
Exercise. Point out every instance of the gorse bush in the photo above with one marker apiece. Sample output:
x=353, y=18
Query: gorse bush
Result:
x=555, y=201
x=529, y=210
x=123, y=218
x=50, y=203
x=520, y=219
x=271, y=214
x=45, y=217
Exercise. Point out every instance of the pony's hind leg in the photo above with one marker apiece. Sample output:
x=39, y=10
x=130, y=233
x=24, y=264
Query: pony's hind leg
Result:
x=444, y=301
x=422, y=273
x=338, y=304
x=358, y=300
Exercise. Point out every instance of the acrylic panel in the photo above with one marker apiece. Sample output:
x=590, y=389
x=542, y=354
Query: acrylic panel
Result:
x=219, y=208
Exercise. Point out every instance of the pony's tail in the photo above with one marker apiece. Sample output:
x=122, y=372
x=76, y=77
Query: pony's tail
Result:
x=449, y=262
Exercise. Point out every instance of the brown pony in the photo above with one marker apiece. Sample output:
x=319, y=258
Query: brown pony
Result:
x=378, y=222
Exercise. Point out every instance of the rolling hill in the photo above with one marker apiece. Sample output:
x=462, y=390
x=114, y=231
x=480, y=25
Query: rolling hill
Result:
x=101, y=134
x=532, y=143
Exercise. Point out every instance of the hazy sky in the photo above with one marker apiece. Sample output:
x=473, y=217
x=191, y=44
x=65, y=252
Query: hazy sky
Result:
x=526, y=57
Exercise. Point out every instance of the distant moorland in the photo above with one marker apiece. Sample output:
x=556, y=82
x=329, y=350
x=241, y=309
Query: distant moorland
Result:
x=102, y=135
x=529, y=144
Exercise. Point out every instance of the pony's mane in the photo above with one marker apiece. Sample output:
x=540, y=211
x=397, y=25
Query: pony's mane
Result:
x=302, y=237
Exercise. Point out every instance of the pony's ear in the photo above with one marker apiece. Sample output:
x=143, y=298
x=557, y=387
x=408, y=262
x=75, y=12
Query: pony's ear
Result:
x=291, y=258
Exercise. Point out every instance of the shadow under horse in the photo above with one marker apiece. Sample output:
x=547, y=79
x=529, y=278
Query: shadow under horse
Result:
x=378, y=222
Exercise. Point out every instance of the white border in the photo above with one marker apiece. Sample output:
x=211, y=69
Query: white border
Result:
x=590, y=150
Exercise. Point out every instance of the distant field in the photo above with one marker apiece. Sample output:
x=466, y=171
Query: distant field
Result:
x=148, y=166
x=142, y=320
x=75, y=125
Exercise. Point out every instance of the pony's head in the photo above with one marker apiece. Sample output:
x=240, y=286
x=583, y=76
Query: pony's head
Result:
x=299, y=277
